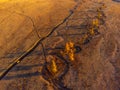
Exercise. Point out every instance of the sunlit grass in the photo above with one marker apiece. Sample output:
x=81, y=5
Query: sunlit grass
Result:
x=54, y=66
x=69, y=50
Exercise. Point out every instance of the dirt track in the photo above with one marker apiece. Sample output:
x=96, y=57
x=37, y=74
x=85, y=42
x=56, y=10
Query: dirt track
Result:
x=96, y=67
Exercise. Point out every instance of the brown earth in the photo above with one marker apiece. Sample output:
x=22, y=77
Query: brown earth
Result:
x=96, y=66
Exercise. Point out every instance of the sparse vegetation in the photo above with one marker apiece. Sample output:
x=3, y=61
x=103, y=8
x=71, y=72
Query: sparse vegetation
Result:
x=54, y=70
x=69, y=50
x=53, y=66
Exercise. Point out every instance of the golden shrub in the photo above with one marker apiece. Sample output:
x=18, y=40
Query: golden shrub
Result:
x=92, y=31
x=95, y=22
x=69, y=50
x=54, y=68
x=99, y=15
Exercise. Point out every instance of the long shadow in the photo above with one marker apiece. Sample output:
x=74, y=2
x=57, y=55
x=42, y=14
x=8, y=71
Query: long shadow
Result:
x=27, y=75
x=116, y=1
x=22, y=68
x=34, y=53
x=13, y=55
